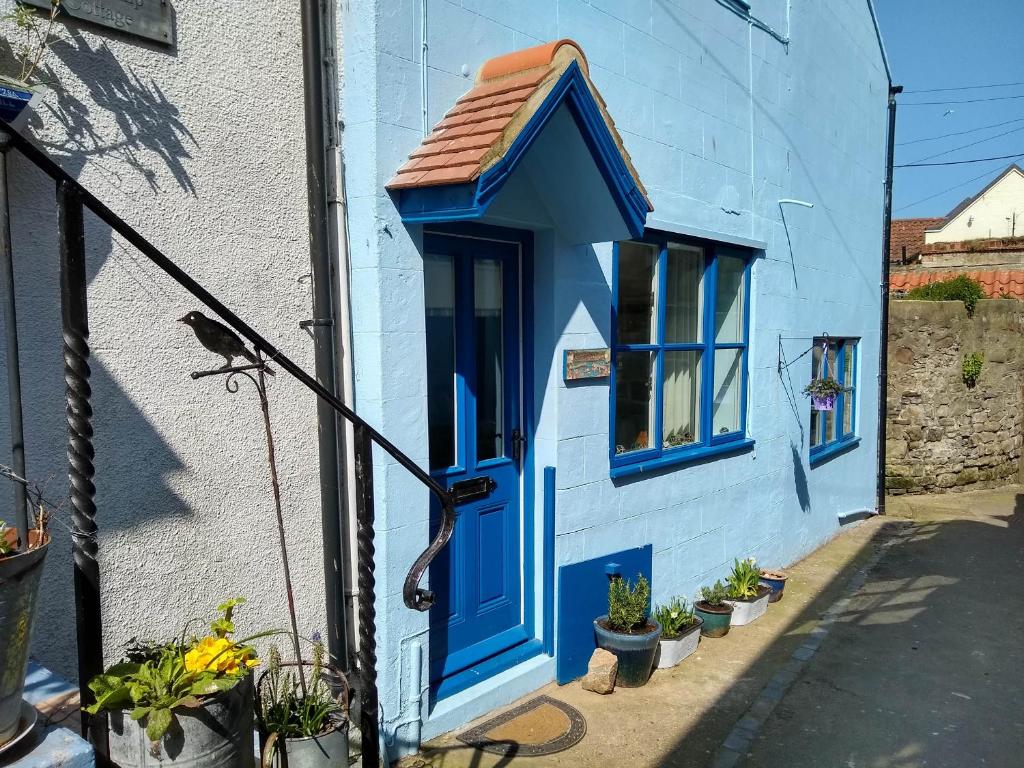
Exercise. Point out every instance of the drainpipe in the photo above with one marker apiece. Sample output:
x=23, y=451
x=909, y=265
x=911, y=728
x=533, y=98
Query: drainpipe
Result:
x=322, y=326
x=13, y=360
x=883, y=346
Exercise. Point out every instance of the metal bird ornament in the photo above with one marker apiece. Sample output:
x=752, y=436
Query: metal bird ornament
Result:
x=218, y=338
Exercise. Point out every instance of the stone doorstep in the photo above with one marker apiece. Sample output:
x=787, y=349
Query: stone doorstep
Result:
x=55, y=741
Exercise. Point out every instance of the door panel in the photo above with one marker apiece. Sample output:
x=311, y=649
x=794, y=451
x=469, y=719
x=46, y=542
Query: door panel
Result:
x=472, y=306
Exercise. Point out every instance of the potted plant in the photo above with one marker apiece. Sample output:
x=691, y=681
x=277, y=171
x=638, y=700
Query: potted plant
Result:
x=19, y=88
x=628, y=632
x=187, y=701
x=713, y=610
x=21, y=568
x=776, y=582
x=823, y=393
x=302, y=723
x=679, y=632
x=748, y=597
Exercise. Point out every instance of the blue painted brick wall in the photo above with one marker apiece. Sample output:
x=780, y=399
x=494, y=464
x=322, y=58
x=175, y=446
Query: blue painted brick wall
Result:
x=721, y=121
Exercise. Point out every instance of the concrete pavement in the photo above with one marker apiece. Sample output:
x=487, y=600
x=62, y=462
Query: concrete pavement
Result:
x=925, y=666
x=898, y=645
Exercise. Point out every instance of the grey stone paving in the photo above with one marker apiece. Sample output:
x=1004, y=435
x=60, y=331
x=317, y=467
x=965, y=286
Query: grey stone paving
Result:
x=923, y=665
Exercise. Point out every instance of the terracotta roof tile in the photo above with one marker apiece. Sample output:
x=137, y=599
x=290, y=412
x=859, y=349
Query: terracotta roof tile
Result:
x=1001, y=283
x=474, y=134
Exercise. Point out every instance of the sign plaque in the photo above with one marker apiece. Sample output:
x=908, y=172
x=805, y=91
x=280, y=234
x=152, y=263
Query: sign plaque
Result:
x=150, y=19
x=587, y=364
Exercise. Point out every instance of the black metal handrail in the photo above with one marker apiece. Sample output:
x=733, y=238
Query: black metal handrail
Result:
x=72, y=197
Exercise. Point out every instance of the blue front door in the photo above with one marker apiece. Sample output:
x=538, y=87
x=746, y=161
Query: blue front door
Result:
x=472, y=292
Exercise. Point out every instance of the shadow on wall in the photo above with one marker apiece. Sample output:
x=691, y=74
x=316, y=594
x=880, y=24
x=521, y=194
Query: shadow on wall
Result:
x=803, y=495
x=147, y=123
x=133, y=462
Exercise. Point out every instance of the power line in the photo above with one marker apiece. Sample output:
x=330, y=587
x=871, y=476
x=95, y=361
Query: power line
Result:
x=950, y=189
x=972, y=144
x=959, y=133
x=964, y=88
x=958, y=101
x=959, y=162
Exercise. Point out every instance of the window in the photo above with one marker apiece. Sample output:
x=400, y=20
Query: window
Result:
x=679, y=353
x=834, y=430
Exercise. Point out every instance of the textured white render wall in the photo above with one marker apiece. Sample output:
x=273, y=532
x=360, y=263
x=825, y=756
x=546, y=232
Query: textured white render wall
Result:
x=201, y=148
x=997, y=213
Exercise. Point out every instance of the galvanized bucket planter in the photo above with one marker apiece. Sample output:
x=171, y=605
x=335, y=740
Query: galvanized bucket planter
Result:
x=325, y=750
x=19, y=593
x=218, y=734
x=749, y=609
x=674, y=650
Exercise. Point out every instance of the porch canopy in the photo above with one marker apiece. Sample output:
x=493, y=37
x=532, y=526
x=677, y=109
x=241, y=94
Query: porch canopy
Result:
x=531, y=145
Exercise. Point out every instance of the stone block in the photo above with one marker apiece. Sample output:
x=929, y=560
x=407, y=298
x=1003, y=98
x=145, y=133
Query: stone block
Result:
x=601, y=672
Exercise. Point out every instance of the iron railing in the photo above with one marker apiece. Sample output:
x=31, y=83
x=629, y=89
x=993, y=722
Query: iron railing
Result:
x=72, y=199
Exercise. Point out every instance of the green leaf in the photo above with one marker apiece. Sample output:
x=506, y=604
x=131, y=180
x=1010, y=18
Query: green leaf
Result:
x=159, y=722
x=110, y=699
x=209, y=685
x=140, y=712
x=189, y=702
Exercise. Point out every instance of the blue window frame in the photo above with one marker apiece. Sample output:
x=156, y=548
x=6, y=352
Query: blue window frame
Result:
x=836, y=430
x=680, y=338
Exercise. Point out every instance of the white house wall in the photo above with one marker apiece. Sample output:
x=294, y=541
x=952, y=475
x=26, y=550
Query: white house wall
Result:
x=722, y=121
x=200, y=147
x=999, y=212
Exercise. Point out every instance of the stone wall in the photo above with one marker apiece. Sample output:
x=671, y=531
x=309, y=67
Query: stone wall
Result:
x=943, y=435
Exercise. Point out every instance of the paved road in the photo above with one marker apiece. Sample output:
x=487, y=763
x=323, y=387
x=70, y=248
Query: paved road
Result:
x=926, y=667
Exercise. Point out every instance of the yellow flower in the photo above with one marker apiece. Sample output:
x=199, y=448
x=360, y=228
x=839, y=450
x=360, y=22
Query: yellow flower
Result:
x=218, y=654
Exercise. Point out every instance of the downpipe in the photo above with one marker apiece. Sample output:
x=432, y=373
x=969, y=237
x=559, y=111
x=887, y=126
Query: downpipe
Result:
x=412, y=717
x=883, y=342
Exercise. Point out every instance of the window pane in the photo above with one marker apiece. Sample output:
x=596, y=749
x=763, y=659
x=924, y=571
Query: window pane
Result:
x=487, y=319
x=439, y=290
x=727, y=391
x=729, y=300
x=830, y=370
x=634, y=405
x=815, y=428
x=684, y=307
x=816, y=359
x=637, y=300
x=848, y=412
x=681, y=406
x=830, y=425
x=848, y=364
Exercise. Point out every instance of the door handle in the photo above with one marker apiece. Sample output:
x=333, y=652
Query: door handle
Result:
x=518, y=444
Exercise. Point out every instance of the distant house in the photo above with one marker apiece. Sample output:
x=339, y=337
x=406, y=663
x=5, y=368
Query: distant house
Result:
x=995, y=212
x=982, y=237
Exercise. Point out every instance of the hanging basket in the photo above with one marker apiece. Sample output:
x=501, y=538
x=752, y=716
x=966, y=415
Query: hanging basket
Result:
x=823, y=402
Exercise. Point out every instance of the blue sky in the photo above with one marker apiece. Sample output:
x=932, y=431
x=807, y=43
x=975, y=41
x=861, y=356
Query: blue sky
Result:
x=950, y=44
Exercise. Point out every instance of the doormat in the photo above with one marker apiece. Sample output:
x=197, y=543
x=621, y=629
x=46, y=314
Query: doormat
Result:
x=541, y=726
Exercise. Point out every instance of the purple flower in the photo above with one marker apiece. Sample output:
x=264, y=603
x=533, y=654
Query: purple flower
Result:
x=316, y=638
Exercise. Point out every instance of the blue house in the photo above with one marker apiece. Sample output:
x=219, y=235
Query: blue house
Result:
x=590, y=279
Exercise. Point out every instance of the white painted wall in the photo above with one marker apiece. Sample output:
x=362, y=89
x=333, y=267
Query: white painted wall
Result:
x=201, y=148
x=997, y=213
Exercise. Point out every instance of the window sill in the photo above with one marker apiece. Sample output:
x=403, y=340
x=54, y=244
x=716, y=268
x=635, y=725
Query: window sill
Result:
x=820, y=456
x=688, y=457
